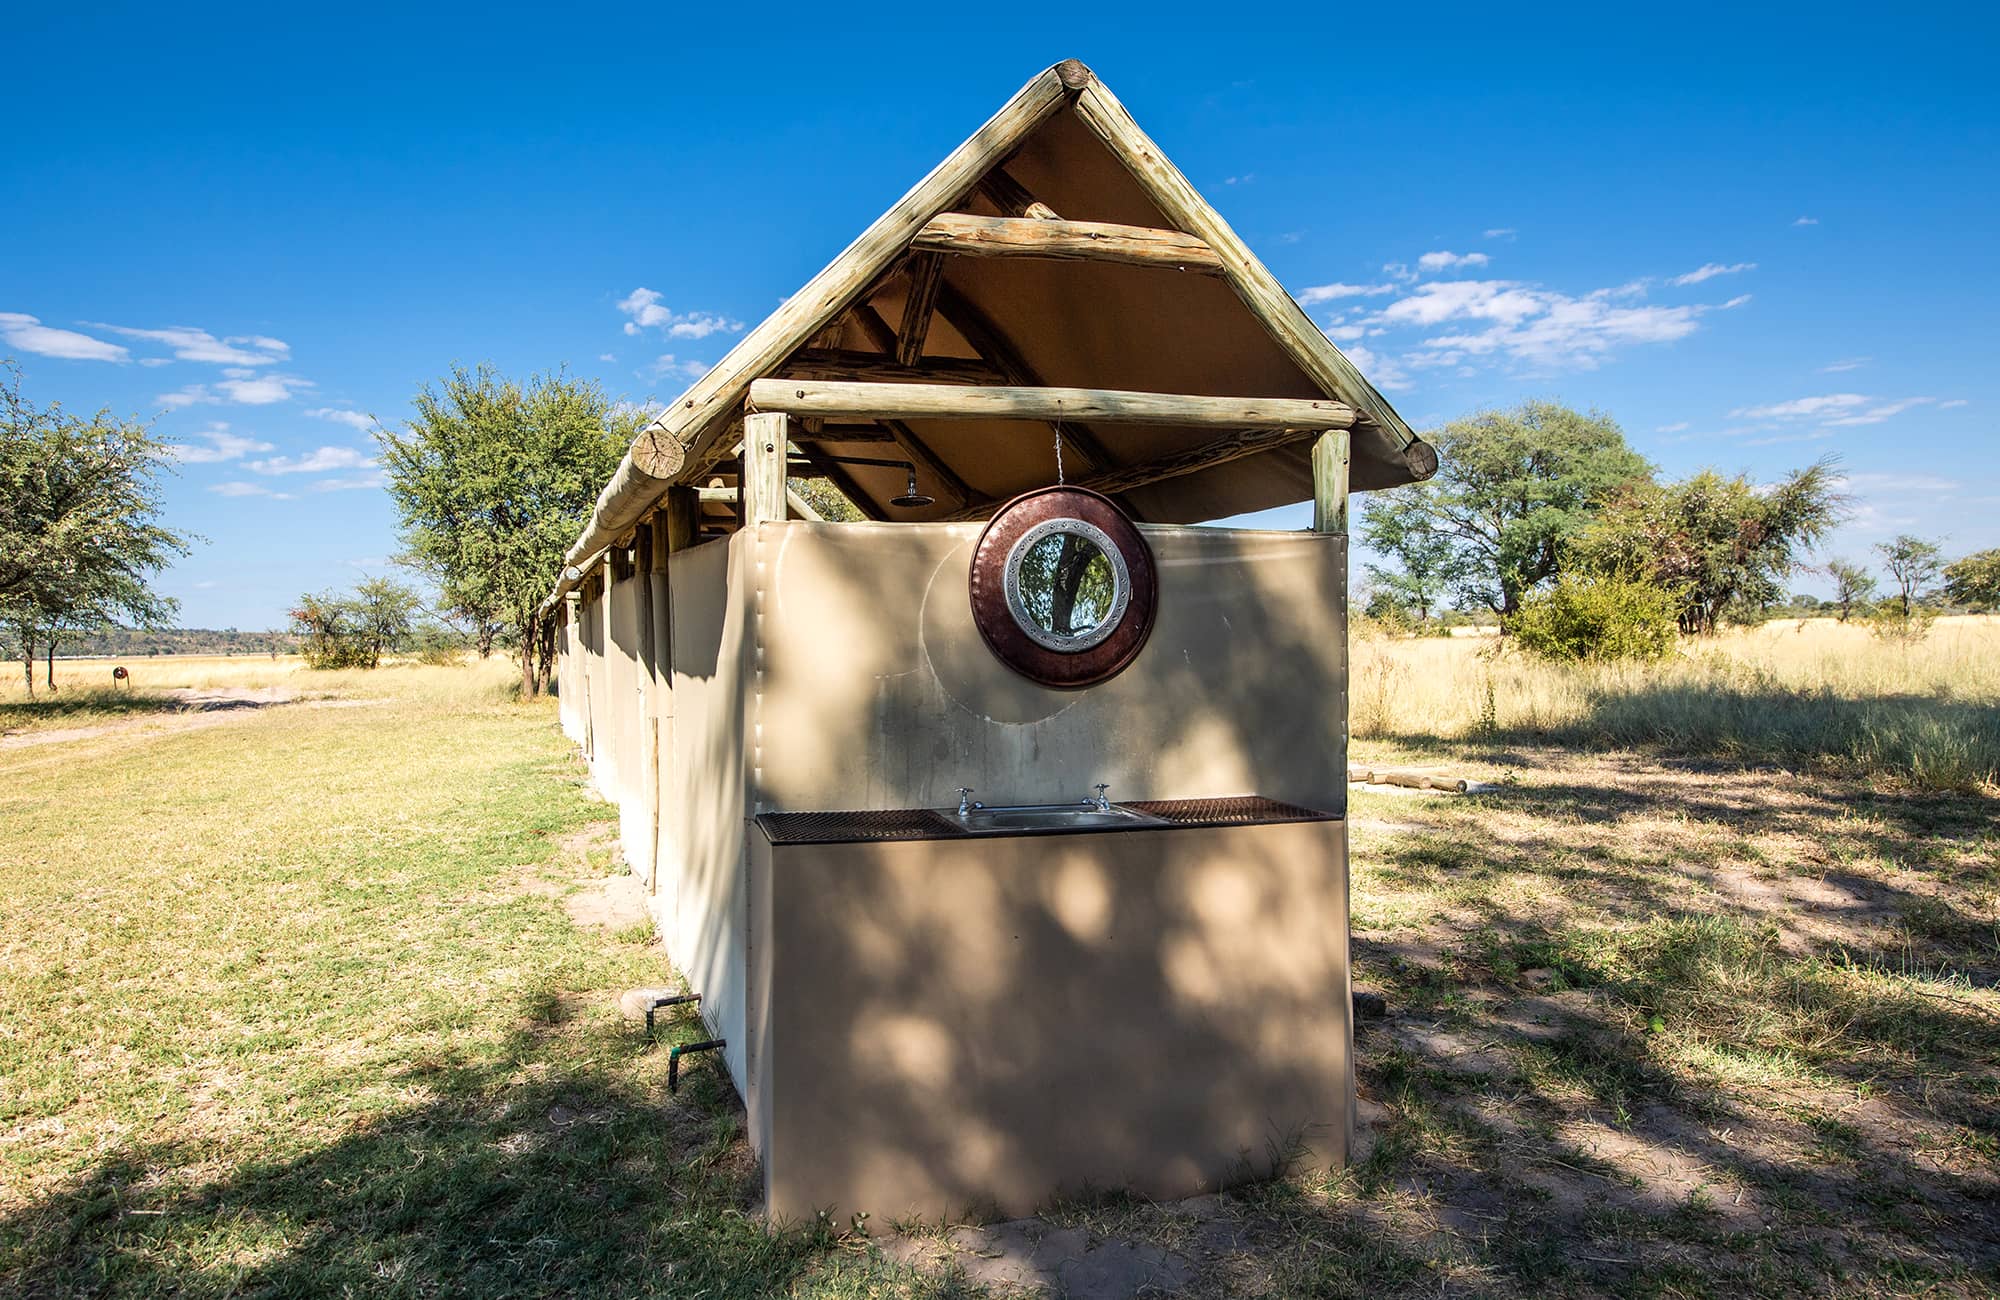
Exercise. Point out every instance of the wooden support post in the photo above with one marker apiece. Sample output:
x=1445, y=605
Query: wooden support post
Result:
x=1330, y=482
x=766, y=447
x=645, y=544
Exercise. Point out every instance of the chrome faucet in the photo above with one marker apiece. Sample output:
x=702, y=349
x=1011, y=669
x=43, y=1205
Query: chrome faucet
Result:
x=1103, y=804
x=965, y=804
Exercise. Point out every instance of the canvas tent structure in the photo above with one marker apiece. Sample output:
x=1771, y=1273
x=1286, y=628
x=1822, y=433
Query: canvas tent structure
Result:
x=1053, y=302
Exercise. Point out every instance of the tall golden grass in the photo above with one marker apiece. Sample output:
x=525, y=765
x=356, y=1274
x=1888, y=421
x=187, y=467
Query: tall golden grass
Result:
x=1812, y=694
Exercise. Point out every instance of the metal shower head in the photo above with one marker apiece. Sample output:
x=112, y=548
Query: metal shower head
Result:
x=911, y=498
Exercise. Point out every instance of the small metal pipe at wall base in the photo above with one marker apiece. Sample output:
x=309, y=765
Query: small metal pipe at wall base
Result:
x=676, y=1000
x=674, y=1058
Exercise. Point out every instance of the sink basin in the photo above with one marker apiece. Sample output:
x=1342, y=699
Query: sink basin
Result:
x=1051, y=818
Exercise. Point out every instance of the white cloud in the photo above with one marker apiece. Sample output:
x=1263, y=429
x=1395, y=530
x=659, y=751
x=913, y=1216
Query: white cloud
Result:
x=317, y=461
x=1446, y=261
x=1898, y=483
x=669, y=364
x=642, y=305
x=1399, y=271
x=1443, y=300
x=1738, y=301
x=1709, y=270
x=219, y=445
x=248, y=490
x=28, y=334
x=190, y=344
x=1834, y=410
x=606, y=356
x=1887, y=410
x=1806, y=221
x=1675, y=427
x=1382, y=371
x=352, y=419
x=243, y=387
x=1346, y=333
x=1320, y=293
x=1846, y=363
x=1953, y=404
x=1502, y=232
x=1800, y=408
x=351, y=483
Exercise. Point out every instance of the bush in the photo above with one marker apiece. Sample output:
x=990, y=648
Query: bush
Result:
x=1598, y=619
x=1893, y=620
x=438, y=645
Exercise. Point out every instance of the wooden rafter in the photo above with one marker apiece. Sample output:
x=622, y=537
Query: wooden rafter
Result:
x=926, y=274
x=985, y=338
x=823, y=363
x=1013, y=198
x=879, y=331
x=1066, y=241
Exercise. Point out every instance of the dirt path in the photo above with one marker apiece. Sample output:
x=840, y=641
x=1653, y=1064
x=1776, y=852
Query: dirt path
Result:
x=183, y=709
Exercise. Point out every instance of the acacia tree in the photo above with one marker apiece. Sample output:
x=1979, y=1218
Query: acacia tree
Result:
x=1975, y=580
x=1718, y=542
x=1852, y=585
x=1913, y=565
x=494, y=479
x=1511, y=490
x=1426, y=560
x=80, y=538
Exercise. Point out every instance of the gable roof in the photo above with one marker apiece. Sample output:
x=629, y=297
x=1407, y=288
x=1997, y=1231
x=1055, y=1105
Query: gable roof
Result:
x=1232, y=331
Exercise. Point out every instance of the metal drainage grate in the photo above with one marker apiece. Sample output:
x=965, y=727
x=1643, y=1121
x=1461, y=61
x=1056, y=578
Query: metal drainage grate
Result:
x=1235, y=810
x=847, y=827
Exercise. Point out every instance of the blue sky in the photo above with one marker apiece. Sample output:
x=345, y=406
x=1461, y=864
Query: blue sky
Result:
x=1753, y=239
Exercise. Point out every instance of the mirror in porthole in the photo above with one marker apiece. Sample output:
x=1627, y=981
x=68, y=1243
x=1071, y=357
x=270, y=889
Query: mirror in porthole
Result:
x=1062, y=587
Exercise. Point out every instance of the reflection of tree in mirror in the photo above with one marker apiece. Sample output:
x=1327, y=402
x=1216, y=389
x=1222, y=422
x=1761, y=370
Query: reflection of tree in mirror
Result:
x=1066, y=584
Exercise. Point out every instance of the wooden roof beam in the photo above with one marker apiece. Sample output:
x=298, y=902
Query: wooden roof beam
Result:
x=892, y=403
x=1066, y=241
x=844, y=363
x=1013, y=198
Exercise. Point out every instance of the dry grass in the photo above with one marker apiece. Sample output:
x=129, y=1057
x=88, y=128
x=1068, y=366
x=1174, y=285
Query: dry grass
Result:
x=1812, y=694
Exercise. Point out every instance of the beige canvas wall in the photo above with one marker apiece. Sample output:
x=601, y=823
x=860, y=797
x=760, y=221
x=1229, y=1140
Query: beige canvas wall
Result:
x=876, y=690
x=955, y=1025
x=700, y=898
x=836, y=666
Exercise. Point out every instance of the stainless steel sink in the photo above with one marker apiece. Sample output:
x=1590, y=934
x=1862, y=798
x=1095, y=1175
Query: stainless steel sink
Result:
x=1049, y=817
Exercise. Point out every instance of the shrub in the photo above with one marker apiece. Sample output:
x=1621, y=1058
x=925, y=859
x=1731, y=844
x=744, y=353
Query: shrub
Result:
x=437, y=644
x=1599, y=619
x=1895, y=620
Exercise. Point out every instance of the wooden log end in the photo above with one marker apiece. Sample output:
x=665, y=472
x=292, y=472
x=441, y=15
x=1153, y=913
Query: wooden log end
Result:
x=658, y=454
x=1422, y=458
x=1073, y=74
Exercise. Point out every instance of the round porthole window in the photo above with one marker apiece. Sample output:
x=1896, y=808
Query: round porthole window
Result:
x=1063, y=589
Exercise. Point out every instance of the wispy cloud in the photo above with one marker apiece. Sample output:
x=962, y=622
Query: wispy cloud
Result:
x=670, y=365
x=1320, y=293
x=1447, y=261
x=1844, y=364
x=1382, y=371
x=1834, y=410
x=1502, y=232
x=217, y=444
x=240, y=489
x=318, y=461
x=190, y=344
x=240, y=386
x=1806, y=221
x=351, y=482
x=1709, y=270
x=354, y=420
x=27, y=334
x=1676, y=427
x=1953, y=404
x=643, y=308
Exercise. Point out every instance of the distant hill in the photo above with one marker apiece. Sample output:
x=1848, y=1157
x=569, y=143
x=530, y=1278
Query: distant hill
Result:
x=119, y=641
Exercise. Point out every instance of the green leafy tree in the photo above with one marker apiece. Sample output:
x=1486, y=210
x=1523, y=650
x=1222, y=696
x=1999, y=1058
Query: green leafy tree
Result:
x=1913, y=566
x=1513, y=487
x=80, y=537
x=1853, y=586
x=1426, y=559
x=1724, y=544
x=356, y=629
x=1974, y=581
x=494, y=479
x=1599, y=617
